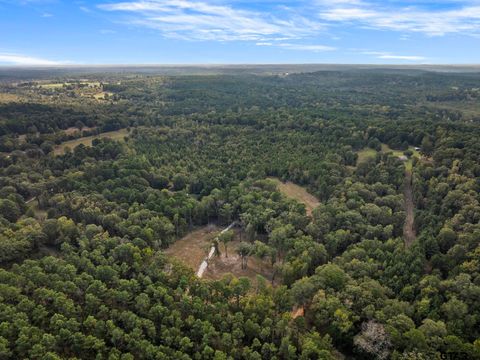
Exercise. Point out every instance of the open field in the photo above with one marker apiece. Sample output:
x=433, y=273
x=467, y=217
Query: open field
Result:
x=194, y=247
x=7, y=97
x=52, y=85
x=87, y=141
x=58, y=85
x=298, y=193
x=367, y=153
x=222, y=265
x=386, y=148
x=102, y=95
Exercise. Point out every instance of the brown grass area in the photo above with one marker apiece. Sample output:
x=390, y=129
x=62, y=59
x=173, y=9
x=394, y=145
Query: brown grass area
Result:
x=193, y=248
x=102, y=95
x=6, y=97
x=221, y=265
x=87, y=141
x=298, y=193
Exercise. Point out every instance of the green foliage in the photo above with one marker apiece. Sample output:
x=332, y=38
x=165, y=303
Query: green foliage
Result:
x=81, y=234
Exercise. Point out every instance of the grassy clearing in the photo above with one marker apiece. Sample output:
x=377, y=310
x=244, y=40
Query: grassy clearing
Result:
x=102, y=95
x=194, y=247
x=87, y=141
x=59, y=85
x=365, y=154
x=52, y=85
x=298, y=193
x=221, y=265
x=6, y=98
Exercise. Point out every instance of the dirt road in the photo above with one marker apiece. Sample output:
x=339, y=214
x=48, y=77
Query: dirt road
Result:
x=409, y=233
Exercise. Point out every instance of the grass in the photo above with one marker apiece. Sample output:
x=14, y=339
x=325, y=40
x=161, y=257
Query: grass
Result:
x=102, y=95
x=367, y=153
x=52, y=85
x=193, y=248
x=87, y=141
x=58, y=85
x=221, y=265
x=298, y=193
x=6, y=98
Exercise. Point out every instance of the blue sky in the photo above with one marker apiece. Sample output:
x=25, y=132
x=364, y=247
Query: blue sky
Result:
x=56, y=32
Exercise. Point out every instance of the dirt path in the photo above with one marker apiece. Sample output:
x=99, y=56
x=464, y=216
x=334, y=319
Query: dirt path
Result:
x=204, y=264
x=192, y=248
x=408, y=228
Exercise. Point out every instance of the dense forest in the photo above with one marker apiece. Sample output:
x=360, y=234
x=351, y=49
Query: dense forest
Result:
x=83, y=232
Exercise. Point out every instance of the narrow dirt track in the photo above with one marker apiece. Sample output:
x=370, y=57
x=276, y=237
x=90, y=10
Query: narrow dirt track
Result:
x=409, y=233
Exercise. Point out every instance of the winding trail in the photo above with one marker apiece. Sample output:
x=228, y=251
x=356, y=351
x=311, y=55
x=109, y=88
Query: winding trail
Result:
x=204, y=264
x=409, y=233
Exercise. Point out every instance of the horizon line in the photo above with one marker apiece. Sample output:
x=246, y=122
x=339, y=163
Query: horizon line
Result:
x=57, y=66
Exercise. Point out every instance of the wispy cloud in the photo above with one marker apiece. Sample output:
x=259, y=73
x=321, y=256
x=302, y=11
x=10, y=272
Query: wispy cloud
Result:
x=18, y=59
x=301, y=47
x=457, y=17
x=198, y=20
x=389, y=56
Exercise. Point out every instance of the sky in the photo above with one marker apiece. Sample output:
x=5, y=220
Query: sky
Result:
x=57, y=32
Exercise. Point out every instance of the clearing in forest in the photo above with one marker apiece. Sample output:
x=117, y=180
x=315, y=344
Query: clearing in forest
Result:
x=365, y=154
x=298, y=193
x=221, y=265
x=193, y=247
x=87, y=141
x=7, y=98
x=104, y=95
x=409, y=233
x=368, y=153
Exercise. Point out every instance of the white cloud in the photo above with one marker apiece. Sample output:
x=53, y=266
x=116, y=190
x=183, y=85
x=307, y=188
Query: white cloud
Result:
x=199, y=20
x=402, y=57
x=301, y=47
x=464, y=17
x=17, y=59
x=389, y=56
